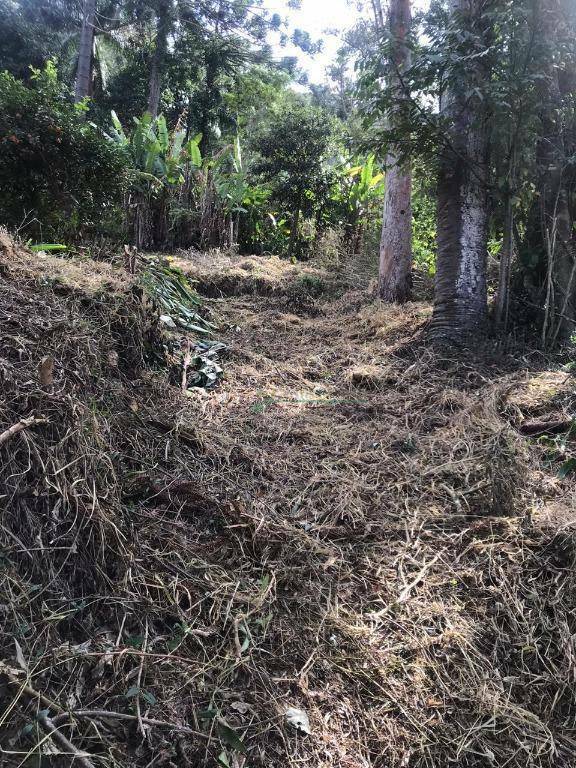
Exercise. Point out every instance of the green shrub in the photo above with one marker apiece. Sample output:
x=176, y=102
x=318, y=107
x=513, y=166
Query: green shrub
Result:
x=312, y=285
x=424, y=229
x=58, y=174
x=294, y=153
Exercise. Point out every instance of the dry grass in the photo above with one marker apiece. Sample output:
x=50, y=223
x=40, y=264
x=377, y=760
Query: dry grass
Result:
x=225, y=273
x=379, y=556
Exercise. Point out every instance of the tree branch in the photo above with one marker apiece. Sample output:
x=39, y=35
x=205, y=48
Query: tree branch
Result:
x=19, y=427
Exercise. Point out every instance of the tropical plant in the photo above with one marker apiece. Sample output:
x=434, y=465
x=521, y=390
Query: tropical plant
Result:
x=157, y=155
x=161, y=166
x=232, y=187
x=58, y=174
x=361, y=186
x=261, y=229
x=294, y=153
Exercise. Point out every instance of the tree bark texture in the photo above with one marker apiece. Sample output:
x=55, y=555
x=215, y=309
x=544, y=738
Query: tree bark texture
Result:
x=83, y=84
x=159, y=57
x=553, y=182
x=460, y=305
x=395, y=273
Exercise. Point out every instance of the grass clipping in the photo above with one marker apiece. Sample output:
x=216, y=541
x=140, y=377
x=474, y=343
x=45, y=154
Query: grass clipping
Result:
x=293, y=570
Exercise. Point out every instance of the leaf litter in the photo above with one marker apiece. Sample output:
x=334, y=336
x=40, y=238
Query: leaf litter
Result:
x=395, y=563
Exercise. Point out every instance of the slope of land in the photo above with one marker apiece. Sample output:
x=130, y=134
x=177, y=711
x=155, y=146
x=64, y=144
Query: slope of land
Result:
x=350, y=531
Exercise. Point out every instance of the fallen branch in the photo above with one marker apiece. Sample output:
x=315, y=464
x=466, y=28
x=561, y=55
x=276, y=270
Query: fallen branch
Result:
x=19, y=427
x=49, y=726
x=539, y=428
x=103, y=714
x=28, y=690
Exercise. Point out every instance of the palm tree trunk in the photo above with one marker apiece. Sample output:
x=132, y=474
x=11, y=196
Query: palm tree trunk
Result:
x=83, y=84
x=395, y=274
x=460, y=302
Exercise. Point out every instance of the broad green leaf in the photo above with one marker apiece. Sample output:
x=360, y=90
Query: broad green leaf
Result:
x=116, y=123
x=230, y=737
x=194, y=152
x=207, y=714
x=149, y=697
x=163, y=138
x=49, y=247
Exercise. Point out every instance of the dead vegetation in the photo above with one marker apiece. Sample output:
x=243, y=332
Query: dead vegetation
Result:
x=381, y=552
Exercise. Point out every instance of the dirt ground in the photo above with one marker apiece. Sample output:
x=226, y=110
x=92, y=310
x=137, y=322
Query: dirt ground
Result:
x=347, y=555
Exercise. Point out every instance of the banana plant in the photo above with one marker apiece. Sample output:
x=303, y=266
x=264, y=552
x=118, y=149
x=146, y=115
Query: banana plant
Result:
x=162, y=163
x=231, y=185
x=158, y=156
x=361, y=185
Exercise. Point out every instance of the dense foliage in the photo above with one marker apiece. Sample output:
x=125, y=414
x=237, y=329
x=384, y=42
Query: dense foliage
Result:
x=276, y=164
x=59, y=174
x=294, y=161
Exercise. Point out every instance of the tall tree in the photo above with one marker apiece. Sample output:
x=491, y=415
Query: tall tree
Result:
x=395, y=273
x=33, y=31
x=83, y=83
x=460, y=304
x=164, y=24
x=555, y=175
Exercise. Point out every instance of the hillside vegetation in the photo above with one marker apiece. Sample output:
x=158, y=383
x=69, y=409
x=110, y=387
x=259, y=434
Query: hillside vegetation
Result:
x=287, y=384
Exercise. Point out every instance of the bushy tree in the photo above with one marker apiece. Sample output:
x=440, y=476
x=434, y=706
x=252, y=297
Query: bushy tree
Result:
x=294, y=154
x=57, y=173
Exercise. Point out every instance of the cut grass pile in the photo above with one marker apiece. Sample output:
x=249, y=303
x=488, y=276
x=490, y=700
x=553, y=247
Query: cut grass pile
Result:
x=350, y=528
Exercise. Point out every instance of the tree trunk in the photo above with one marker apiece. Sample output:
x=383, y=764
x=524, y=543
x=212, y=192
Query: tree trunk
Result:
x=378, y=15
x=230, y=230
x=83, y=84
x=395, y=274
x=158, y=59
x=552, y=157
x=209, y=106
x=212, y=96
x=460, y=302
x=295, y=226
x=154, y=86
x=503, y=294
